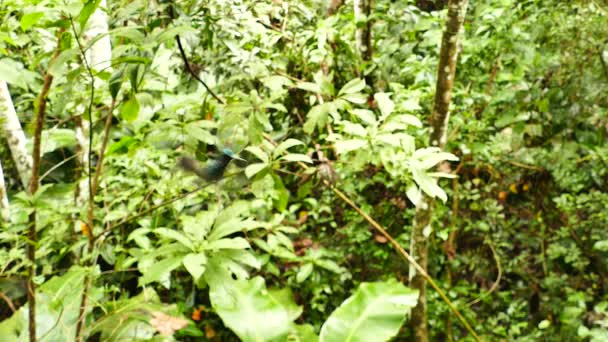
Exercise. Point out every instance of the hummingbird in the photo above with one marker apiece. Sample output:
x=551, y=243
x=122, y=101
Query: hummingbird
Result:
x=214, y=170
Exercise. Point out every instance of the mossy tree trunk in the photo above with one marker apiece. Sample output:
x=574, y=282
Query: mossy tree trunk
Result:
x=439, y=122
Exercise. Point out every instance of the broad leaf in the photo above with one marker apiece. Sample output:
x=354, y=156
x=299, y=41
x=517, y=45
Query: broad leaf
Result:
x=353, y=86
x=375, y=312
x=251, y=311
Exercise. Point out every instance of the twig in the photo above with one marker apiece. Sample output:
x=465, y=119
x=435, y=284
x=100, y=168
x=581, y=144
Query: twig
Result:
x=33, y=187
x=101, y=156
x=496, y=282
x=524, y=166
x=158, y=206
x=185, y=59
x=56, y=166
x=8, y=301
x=56, y=322
x=87, y=278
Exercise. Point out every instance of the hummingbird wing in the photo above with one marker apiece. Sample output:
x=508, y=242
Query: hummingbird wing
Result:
x=214, y=169
x=193, y=166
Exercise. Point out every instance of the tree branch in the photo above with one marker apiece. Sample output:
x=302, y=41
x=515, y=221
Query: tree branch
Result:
x=33, y=187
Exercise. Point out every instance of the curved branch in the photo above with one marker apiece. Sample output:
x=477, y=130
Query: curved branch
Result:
x=185, y=59
x=496, y=282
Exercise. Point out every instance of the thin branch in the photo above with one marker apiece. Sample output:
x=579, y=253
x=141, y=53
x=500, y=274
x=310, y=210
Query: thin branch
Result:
x=163, y=204
x=87, y=278
x=8, y=301
x=33, y=187
x=185, y=59
x=496, y=282
x=409, y=259
x=56, y=166
x=523, y=166
x=101, y=156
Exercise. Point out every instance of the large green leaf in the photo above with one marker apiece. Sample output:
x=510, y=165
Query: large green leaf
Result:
x=253, y=312
x=130, y=319
x=57, y=308
x=375, y=312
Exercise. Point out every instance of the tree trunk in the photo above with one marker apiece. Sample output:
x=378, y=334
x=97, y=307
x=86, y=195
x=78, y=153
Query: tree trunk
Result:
x=439, y=122
x=15, y=136
x=363, y=34
x=4, y=209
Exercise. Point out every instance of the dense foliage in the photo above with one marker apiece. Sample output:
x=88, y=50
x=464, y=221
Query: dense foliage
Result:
x=518, y=239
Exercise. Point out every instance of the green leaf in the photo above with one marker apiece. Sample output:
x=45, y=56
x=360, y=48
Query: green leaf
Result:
x=413, y=194
x=354, y=129
x=303, y=333
x=296, y=157
x=194, y=130
x=511, y=118
x=130, y=109
x=385, y=104
x=346, y=146
x=133, y=33
x=115, y=83
x=232, y=226
x=13, y=73
x=304, y=272
x=198, y=227
x=253, y=169
x=280, y=203
x=409, y=120
x=59, y=65
x=122, y=146
x=425, y=158
x=411, y=104
x=195, y=264
x=126, y=319
x=353, y=86
x=169, y=34
x=365, y=115
x=174, y=235
x=30, y=19
x=160, y=269
x=86, y=12
x=285, y=145
x=601, y=246
x=357, y=98
x=251, y=311
x=57, y=308
x=317, y=116
x=58, y=138
x=309, y=86
x=258, y=152
x=375, y=312
x=234, y=243
x=390, y=139
x=428, y=184
x=65, y=41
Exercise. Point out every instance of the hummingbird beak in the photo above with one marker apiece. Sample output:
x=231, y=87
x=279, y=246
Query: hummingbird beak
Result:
x=238, y=158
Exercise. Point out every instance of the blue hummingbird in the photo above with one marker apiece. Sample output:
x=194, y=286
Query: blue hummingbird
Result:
x=214, y=170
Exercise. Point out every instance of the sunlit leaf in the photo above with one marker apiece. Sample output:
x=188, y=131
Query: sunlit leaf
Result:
x=375, y=312
x=30, y=19
x=353, y=86
x=130, y=109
